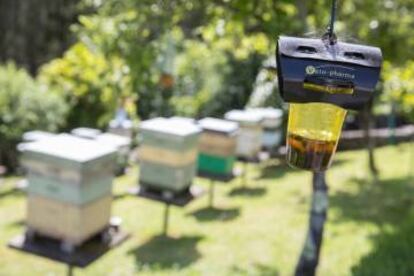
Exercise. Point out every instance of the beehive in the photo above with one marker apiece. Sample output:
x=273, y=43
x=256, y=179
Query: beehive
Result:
x=123, y=128
x=217, y=146
x=36, y=135
x=272, y=123
x=67, y=222
x=70, y=181
x=249, y=138
x=176, y=135
x=122, y=145
x=168, y=153
x=69, y=192
x=167, y=157
x=86, y=132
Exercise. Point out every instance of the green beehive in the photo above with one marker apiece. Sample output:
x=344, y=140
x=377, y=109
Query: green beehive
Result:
x=217, y=146
x=161, y=169
x=217, y=165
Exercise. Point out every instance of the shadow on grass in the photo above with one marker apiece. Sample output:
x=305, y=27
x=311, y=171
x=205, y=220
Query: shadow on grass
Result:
x=16, y=224
x=385, y=201
x=247, y=191
x=392, y=255
x=339, y=161
x=279, y=169
x=210, y=214
x=272, y=171
x=119, y=196
x=11, y=192
x=163, y=252
x=256, y=269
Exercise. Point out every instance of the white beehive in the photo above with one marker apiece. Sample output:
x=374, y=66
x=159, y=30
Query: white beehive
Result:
x=249, y=139
x=272, y=123
x=69, y=187
x=168, y=153
x=86, y=132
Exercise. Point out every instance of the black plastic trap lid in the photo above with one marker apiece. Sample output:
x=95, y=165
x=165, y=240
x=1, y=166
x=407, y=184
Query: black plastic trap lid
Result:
x=340, y=52
x=316, y=70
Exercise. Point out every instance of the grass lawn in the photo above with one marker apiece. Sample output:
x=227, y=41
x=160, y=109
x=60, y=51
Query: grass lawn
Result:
x=257, y=231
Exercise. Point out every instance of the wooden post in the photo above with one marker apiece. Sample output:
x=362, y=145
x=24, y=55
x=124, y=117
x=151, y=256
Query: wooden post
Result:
x=368, y=122
x=211, y=194
x=309, y=258
x=70, y=270
x=166, y=218
x=245, y=169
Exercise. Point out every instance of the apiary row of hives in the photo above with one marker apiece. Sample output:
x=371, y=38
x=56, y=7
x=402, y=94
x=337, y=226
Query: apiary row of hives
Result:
x=70, y=176
x=173, y=150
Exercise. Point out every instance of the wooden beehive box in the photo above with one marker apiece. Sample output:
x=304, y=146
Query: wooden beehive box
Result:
x=170, y=134
x=168, y=153
x=217, y=146
x=167, y=157
x=67, y=222
x=36, y=135
x=65, y=151
x=86, y=132
x=69, y=192
x=249, y=139
x=122, y=145
x=68, y=168
x=123, y=128
x=162, y=177
x=272, y=123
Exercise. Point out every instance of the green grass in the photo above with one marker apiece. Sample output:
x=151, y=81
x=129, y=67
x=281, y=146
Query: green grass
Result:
x=258, y=231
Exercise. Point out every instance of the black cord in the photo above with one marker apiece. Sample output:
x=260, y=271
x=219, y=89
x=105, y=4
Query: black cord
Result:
x=330, y=34
x=333, y=18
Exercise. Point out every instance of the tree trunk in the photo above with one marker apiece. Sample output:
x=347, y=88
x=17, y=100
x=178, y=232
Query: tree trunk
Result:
x=368, y=125
x=309, y=258
x=35, y=31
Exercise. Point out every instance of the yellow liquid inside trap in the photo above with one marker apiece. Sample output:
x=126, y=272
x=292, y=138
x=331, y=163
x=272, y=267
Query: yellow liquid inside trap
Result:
x=313, y=133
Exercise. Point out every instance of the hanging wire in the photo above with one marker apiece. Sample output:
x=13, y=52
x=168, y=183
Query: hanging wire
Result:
x=330, y=34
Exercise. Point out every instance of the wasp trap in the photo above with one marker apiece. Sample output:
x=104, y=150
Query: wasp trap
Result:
x=322, y=79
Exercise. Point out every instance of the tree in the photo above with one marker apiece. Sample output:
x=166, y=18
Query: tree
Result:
x=35, y=31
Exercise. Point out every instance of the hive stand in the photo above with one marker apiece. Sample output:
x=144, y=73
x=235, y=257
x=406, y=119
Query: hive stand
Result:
x=217, y=178
x=168, y=198
x=259, y=159
x=3, y=171
x=82, y=256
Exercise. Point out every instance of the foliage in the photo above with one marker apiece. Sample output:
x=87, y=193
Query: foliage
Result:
x=230, y=40
x=94, y=86
x=24, y=105
x=399, y=87
x=234, y=34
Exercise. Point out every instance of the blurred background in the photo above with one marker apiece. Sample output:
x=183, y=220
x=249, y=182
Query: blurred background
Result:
x=75, y=63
